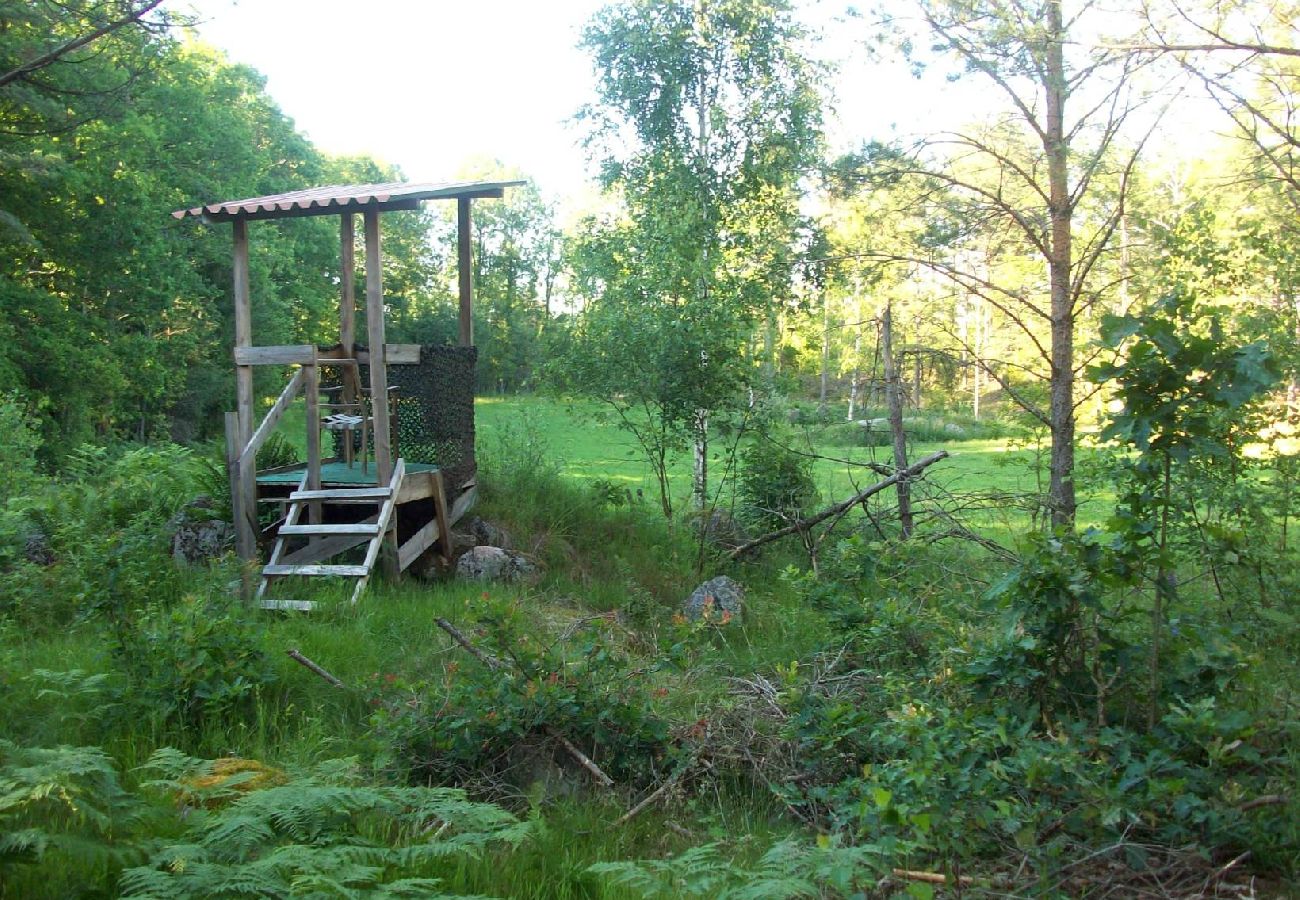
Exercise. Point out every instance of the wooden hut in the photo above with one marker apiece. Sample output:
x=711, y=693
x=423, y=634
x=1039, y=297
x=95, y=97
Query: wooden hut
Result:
x=338, y=513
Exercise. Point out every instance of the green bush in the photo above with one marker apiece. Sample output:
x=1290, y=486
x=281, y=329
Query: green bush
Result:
x=775, y=482
x=193, y=660
x=479, y=724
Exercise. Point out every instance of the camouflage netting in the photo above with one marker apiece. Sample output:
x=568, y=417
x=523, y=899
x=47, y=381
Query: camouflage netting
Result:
x=432, y=410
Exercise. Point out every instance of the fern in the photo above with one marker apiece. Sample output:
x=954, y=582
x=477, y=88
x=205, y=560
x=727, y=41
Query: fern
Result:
x=62, y=799
x=324, y=834
x=790, y=869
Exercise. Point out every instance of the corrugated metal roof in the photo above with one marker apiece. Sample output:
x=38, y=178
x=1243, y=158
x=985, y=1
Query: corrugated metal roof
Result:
x=341, y=198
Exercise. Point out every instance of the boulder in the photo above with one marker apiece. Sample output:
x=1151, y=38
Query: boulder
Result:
x=954, y=429
x=198, y=537
x=721, y=528
x=37, y=550
x=720, y=599
x=484, y=563
x=488, y=534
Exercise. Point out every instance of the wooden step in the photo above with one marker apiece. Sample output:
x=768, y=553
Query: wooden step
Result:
x=345, y=495
x=357, y=528
x=342, y=571
x=296, y=605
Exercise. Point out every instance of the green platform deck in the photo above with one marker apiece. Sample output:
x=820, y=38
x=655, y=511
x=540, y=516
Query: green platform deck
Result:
x=336, y=473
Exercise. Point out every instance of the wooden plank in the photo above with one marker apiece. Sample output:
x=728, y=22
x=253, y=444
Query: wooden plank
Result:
x=243, y=331
x=345, y=495
x=464, y=269
x=415, y=546
x=277, y=551
x=463, y=505
x=386, y=516
x=295, y=605
x=440, y=515
x=381, y=424
x=415, y=486
x=275, y=355
x=328, y=546
x=394, y=354
x=316, y=571
x=272, y=418
x=303, y=354
x=425, y=538
x=400, y=354
x=359, y=528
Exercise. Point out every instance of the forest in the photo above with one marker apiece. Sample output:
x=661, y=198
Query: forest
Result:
x=900, y=517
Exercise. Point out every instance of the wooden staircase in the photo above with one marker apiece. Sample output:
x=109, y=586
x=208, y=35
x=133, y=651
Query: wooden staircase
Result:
x=327, y=541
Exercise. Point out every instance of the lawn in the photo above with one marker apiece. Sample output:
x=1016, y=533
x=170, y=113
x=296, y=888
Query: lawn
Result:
x=582, y=439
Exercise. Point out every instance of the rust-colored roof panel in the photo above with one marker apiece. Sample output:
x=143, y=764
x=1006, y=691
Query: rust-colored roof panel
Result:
x=341, y=198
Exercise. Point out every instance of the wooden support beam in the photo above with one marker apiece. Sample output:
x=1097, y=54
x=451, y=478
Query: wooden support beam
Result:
x=245, y=535
x=382, y=425
x=311, y=382
x=465, y=270
x=243, y=330
x=303, y=354
x=275, y=355
x=437, y=530
x=348, y=303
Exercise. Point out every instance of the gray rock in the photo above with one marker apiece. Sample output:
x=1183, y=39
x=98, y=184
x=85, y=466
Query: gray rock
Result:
x=793, y=415
x=954, y=429
x=723, y=529
x=198, y=537
x=494, y=564
x=714, y=598
x=36, y=549
x=488, y=534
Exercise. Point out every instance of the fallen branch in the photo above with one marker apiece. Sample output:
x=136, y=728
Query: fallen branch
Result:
x=307, y=663
x=496, y=665
x=931, y=877
x=658, y=792
x=804, y=524
x=1266, y=800
x=583, y=759
x=490, y=661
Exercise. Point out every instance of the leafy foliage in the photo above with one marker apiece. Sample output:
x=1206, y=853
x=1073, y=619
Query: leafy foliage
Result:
x=324, y=833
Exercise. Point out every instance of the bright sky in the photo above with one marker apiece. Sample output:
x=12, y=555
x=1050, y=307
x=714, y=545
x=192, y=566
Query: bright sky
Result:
x=432, y=85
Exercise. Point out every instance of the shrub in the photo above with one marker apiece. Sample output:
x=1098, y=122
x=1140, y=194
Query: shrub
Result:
x=486, y=726
x=776, y=483
x=192, y=660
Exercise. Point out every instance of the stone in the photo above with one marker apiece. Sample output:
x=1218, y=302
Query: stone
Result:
x=485, y=563
x=721, y=528
x=36, y=549
x=198, y=537
x=954, y=429
x=488, y=534
x=720, y=600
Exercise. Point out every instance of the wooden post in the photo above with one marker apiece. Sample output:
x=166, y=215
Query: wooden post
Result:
x=378, y=355
x=465, y=269
x=245, y=536
x=243, y=477
x=243, y=332
x=348, y=306
x=311, y=386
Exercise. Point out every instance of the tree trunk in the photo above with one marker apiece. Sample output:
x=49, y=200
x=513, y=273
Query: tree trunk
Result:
x=700, y=483
x=826, y=349
x=1060, y=492
x=894, y=397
